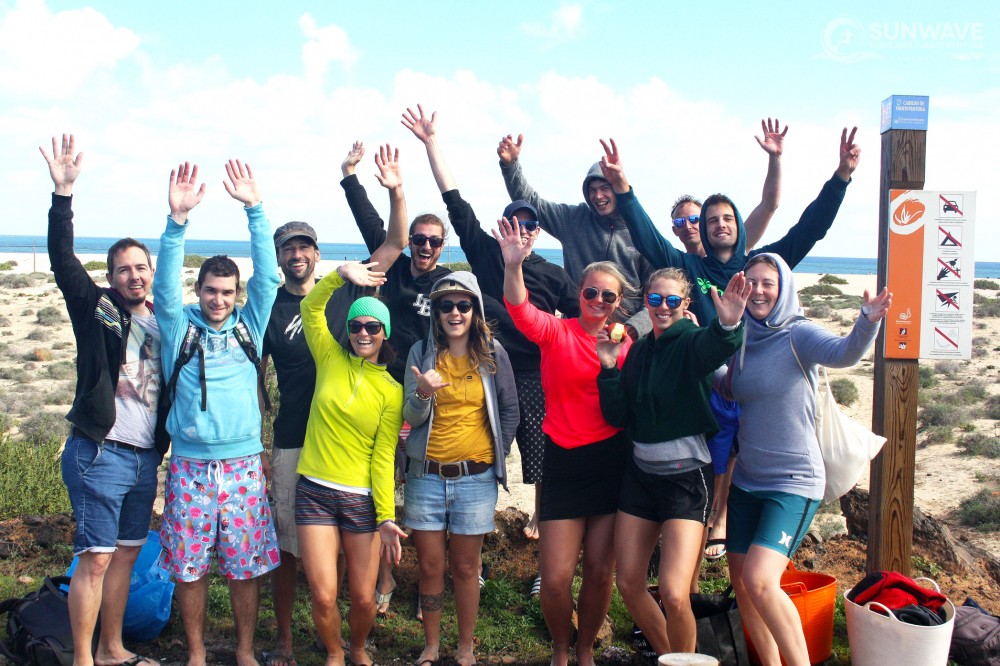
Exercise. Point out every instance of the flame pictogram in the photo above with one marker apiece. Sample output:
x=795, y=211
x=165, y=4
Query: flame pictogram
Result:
x=908, y=212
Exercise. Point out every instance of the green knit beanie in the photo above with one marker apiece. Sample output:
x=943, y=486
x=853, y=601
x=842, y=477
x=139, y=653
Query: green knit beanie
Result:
x=367, y=306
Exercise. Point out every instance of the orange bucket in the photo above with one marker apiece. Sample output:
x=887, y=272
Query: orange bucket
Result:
x=815, y=597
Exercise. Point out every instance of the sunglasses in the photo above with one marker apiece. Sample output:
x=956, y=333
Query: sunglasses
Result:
x=590, y=293
x=679, y=222
x=529, y=225
x=420, y=239
x=371, y=327
x=655, y=300
x=445, y=307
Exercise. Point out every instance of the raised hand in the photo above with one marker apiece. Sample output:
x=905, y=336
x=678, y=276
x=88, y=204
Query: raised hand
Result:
x=243, y=187
x=508, y=150
x=354, y=156
x=421, y=126
x=184, y=193
x=876, y=308
x=774, y=137
x=733, y=301
x=514, y=248
x=430, y=382
x=391, y=550
x=357, y=273
x=850, y=155
x=611, y=167
x=388, y=166
x=63, y=167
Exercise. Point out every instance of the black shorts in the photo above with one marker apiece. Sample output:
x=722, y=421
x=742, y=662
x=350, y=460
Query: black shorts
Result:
x=530, y=438
x=684, y=496
x=585, y=481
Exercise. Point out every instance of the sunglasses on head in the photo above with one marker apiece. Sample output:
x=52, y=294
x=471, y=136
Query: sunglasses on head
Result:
x=445, y=307
x=420, y=239
x=655, y=300
x=529, y=225
x=371, y=327
x=608, y=296
x=679, y=222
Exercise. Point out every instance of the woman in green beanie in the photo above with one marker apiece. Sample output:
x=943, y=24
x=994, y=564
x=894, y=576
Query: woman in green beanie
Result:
x=345, y=491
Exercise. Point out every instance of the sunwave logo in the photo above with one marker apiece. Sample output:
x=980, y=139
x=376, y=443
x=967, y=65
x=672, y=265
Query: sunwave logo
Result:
x=906, y=215
x=848, y=40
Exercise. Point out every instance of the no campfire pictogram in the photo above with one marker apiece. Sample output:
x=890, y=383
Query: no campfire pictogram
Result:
x=946, y=337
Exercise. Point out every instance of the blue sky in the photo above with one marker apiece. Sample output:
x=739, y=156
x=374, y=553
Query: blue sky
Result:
x=681, y=87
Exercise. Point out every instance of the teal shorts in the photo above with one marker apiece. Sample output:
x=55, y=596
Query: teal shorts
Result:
x=770, y=519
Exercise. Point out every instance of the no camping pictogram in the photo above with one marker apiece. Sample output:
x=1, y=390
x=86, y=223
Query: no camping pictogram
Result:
x=946, y=337
x=949, y=268
x=947, y=301
x=949, y=236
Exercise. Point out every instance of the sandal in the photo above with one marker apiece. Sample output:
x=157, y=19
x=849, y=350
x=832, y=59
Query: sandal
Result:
x=382, y=599
x=536, y=587
x=712, y=544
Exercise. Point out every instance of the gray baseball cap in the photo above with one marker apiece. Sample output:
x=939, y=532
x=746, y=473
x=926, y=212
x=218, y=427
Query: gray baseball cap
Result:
x=291, y=230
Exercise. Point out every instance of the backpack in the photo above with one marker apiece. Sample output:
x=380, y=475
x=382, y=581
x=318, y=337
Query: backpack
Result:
x=38, y=627
x=191, y=346
x=975, y=640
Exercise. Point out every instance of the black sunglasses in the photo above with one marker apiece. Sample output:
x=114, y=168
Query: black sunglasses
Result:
x=420, y=239
x=371, y=327
x=529, y=225
x=655, y=300
x=679, y=222
x=608, y=296
x=445, y=307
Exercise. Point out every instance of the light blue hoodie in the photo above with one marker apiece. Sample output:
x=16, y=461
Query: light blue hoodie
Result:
x=230, y=426
x=778, y=446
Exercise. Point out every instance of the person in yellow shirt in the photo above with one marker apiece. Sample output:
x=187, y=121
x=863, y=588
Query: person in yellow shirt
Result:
x=461, y=403
x=345, y=491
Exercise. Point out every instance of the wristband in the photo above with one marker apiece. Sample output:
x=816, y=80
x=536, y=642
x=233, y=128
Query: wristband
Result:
x=727, y=327
x=422, y=396
x=865, y=310
x=388, y=520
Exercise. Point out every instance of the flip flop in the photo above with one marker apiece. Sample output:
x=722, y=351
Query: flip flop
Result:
x=276, y=658
x=713, y=543
x=484, y=575
x=536, y=587
x=382, y=599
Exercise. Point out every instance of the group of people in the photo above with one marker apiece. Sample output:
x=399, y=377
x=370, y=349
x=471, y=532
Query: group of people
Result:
x=630, y=419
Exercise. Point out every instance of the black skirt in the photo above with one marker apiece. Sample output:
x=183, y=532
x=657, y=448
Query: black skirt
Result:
x=584, y=481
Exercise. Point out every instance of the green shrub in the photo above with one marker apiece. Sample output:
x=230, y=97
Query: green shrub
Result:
x=981, y=511
x=193, y=260
x=832, y=279
x=459, y=266
x=18, y=375
x=939, y=435
x=16, y=281
x=947, y=368
x=49, y=316
x=925, y=376
x=62, y=370
x=845, y=302
x=43, y=428
x=941, y=414
x=844, y=391
x=821, y=290
x=30, y=479
x=991, y=407
x=986, y=284
x=8, y=265
x=980, y=444
x=819, y=311
x=39, y=335
x=95, y=266
x=984, y=306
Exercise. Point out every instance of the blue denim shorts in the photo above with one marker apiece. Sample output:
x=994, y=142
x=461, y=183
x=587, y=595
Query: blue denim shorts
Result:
x=111, y=488
x=771, y=519
x=462, y=506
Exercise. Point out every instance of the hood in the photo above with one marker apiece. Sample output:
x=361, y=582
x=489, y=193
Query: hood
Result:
x=786, y=311
x=595, y=173
x=458, y=282
x=718, y=270
x=193, y=312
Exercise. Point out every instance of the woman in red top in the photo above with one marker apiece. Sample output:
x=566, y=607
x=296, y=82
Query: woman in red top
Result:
x=584, y=455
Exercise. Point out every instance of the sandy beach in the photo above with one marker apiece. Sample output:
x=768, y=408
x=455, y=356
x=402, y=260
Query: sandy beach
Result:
x=943, y=476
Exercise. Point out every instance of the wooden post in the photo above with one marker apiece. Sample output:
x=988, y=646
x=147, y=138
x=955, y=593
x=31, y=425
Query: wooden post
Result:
x=894, y=404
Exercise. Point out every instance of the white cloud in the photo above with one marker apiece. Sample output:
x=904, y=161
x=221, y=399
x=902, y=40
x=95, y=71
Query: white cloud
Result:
x=55, y=55
x=563, y=25
x=325, y=44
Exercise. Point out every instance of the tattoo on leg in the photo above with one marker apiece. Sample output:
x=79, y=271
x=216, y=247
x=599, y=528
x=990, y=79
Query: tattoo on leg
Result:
x=432, y=602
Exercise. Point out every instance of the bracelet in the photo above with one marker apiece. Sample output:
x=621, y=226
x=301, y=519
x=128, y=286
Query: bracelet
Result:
x=388, y=520
x=865, y=310
x=422, y=396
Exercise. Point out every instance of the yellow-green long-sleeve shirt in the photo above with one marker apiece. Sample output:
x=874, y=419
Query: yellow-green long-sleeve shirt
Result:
x=356, y=411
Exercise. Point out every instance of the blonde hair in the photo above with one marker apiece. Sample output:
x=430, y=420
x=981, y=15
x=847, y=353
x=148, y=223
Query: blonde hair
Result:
x=625, y=288
x=675, y=274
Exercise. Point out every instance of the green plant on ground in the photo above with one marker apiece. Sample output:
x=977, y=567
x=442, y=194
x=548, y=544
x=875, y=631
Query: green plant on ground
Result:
x=941, y=414
x=984, y=306
x=844, y=391
x=39, y=335
x=939, y=434
x=832, y=279
x=986, y=284
x=95, y=266
x=821, y=290
x=991, y=407
x=43, y=428
x=947, y=368
x=925, y=566
x=19, y=375
x=845, y=302
x=49, y=316
x=62, y=370
x=981, y=511
x=819, y=311
x=458, y=266
x=925, y=376
x=16, y=281
x=980, y=444
x=31, y=478
x=8, y=265
x=193, y=260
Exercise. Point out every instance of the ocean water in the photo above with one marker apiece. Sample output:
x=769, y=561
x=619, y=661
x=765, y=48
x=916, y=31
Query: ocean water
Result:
x=98, y=245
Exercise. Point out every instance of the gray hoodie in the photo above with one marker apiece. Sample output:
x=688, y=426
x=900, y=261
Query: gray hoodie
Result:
x=499, y=389
x=587, y=237
x=778, y=447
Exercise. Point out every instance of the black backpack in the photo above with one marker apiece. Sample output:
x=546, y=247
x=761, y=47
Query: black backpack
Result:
x=38, y=628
